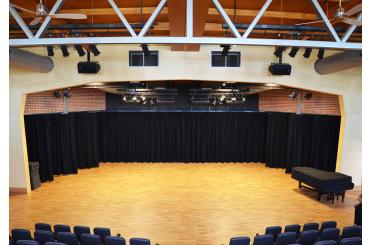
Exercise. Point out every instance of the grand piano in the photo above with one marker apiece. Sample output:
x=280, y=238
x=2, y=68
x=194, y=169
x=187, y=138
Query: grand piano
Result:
x=327, y=183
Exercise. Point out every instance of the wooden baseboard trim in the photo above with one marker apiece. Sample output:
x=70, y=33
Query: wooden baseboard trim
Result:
x=17, y=191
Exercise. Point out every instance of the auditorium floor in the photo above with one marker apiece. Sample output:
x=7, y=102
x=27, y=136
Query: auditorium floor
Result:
x=177, y=203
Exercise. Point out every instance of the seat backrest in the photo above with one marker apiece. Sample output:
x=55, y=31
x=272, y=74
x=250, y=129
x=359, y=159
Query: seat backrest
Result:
x=329, y=234
x=43, y=227
x=88, y=239
x=267, y=239
x=310, y=227
x=79, y=230
x=61, y=228
x=26, y=242
x=327, y=242
x=139, y=241
x=293, y=228
x=102, y=232
x=43, y=236
x=351, y=241
x=114, y=240
x=240, y=241
x=351, y=231
x=55, y=243
x=286, y=238
x=273, y=230
x=308, y=237
x=21, y=234
x=328, y=224
x=67, y=237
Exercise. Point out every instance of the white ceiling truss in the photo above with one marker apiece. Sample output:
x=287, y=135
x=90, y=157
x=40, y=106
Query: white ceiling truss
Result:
x=140, y=38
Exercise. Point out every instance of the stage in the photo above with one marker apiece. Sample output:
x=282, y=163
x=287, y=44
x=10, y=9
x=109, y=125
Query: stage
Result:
x=175, y=203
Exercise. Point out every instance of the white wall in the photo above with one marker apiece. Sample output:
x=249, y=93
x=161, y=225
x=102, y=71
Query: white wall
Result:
x=186, y=66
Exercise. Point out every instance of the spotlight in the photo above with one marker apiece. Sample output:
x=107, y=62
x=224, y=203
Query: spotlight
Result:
x=308, y=95
x=145, y=49
x=307, y=52
x=80, y=50
x=57, y=94
x=50, y=50
x=293, y=95
x=134, y=98
x=94, y=49
x=65, y=52
x=223, y=84
x=321, y=53
x=225, y=50
x=125, y=98
x=143, y=98
x=278, y=51
x=293, y=52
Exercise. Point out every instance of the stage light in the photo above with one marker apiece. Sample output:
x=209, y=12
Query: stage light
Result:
x=94, y=49
x=225, y=50
x=80, y=50
x=125, y=98
x=279, y=51
x=223, y=84
x=307, y=52
x=134, y=98
x=293, y=52
x=293, y=95
x=308, y=95
x=65, y=52
x=50, y=50
x=321, y=53
x=57, y=94
x=145, y=49
x=222, y=98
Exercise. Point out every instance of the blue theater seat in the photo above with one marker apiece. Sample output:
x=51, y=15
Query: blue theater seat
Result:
x=114, y=240
x=286, y=238
x=328, y=224
x=308, y=237
x=351, y=241
x=273, y=230
x=240, y=241
x=79, y=230
x=139, y=241
x=351, y=231
x=88, y=239
x=67, y=237
x=43, y=227
x=293, y=228
x=26, y=242
x=43, y=236
x=310, y=227
x=20, y=234
x=263, y=240
x=329, y=234
x=102, y=232
x=55, y=243
x=327, y=242
x=61, y=228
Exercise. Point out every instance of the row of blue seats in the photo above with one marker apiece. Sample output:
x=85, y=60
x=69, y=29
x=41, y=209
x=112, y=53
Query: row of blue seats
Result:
x=268, y=240
x=62, y=233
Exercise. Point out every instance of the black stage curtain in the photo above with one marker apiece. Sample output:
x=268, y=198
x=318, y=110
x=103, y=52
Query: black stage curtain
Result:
x=62, y=143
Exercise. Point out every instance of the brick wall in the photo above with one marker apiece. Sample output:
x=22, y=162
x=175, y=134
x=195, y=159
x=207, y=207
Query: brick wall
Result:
x=81, y=100
x=278, y=100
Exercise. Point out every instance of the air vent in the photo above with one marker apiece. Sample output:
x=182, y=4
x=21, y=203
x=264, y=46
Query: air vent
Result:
x=232, y=59
x=138, y=58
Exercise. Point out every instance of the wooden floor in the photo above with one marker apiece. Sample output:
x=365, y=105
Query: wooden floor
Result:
x=177, y=203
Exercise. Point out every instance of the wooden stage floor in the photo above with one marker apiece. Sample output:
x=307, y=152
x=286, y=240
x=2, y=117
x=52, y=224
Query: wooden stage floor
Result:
x=177, y=203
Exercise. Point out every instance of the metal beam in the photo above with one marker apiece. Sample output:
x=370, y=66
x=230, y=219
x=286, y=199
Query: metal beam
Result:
x=152, y=18
x=327, y=23
x=257, y=18
x=47, y=20
x=350, y=30
x=185, y=40
x=20, y=22
x=122, y=18
x=227, y=19
x=189, y=18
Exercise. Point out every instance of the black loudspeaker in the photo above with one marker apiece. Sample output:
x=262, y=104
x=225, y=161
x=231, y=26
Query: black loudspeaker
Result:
x=34, y=175
x=88, y=67
x=280, y=69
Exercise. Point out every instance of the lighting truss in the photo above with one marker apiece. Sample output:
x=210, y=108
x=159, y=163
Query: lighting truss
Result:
x=140, y=38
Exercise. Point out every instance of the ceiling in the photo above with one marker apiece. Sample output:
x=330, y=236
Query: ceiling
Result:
x=171, y=21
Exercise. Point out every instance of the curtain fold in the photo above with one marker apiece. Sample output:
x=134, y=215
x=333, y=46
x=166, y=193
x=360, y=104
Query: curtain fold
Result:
x=64, y=143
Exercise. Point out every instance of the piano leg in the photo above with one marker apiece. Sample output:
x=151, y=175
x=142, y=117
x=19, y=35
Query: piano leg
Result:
x=319, y=195
x=299, y=184
x=343, y=196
